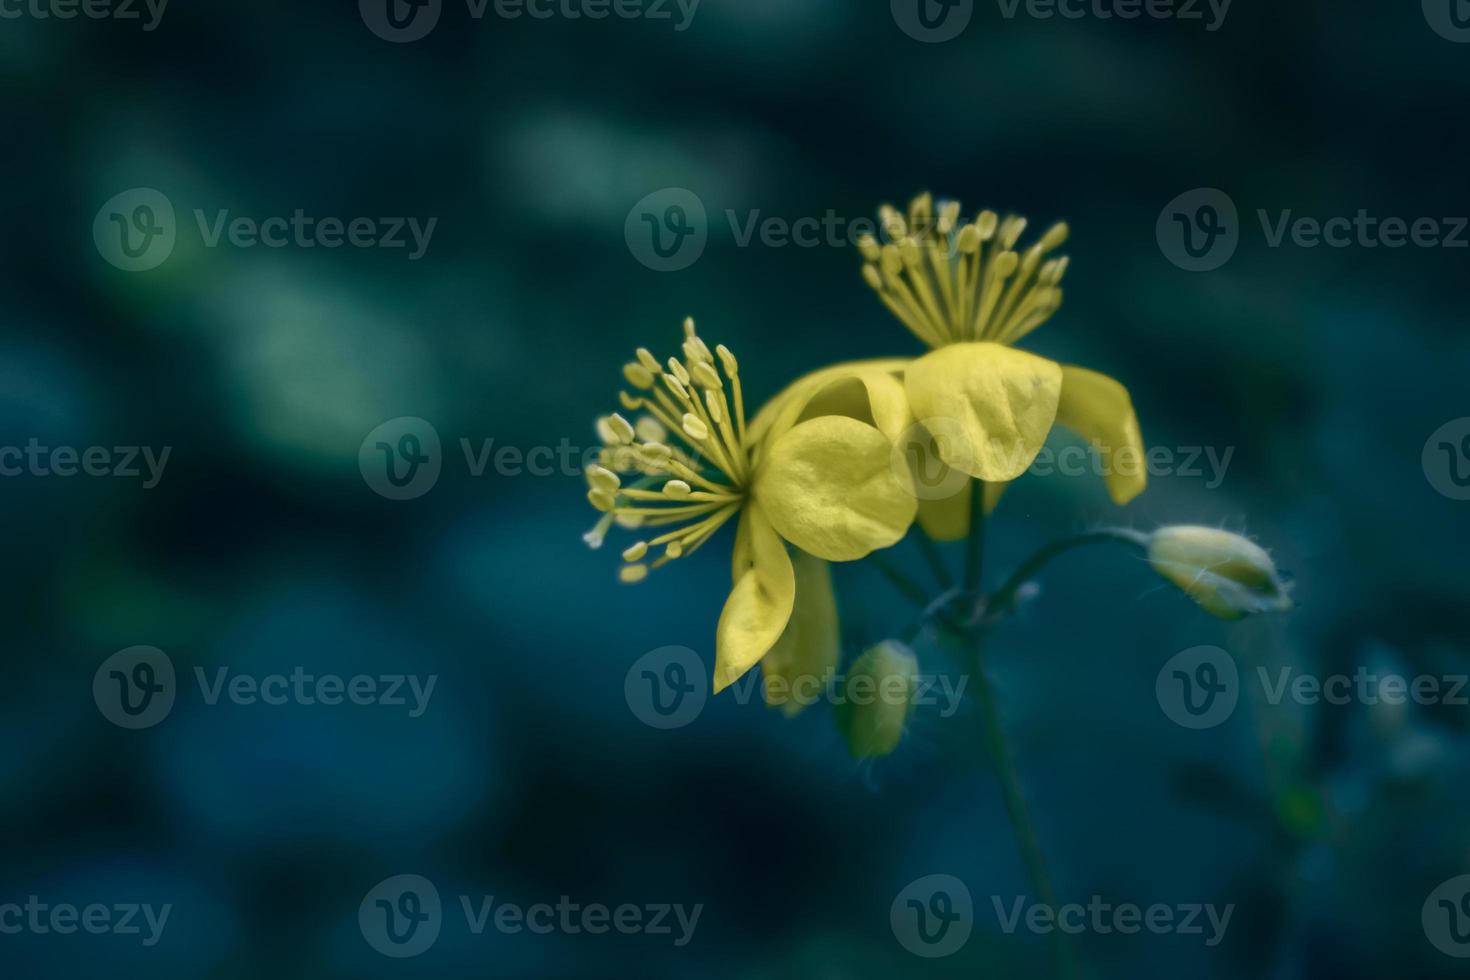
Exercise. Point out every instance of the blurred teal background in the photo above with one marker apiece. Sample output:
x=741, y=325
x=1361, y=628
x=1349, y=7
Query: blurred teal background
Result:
x=263, y=548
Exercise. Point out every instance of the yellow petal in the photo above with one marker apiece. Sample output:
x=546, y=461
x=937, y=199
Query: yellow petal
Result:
x=1099, y=410
x=1003, y=401
x=759, y=605
x=948, y=518
x=831, y=487
x=802, y=389
x=798, y=668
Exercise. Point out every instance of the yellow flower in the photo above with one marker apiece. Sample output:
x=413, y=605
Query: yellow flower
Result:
x=965, y=291
x=824, y=484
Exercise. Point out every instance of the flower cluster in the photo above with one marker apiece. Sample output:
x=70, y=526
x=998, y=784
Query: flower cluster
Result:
x=828, y=470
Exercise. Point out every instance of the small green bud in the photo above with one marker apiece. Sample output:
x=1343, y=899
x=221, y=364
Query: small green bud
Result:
x=1229, y=575
x=878, y=697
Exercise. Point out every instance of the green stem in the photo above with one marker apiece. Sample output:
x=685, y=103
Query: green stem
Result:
x=935, y=559
x=993, y=731
x=1005, y=596
x=975, y=552
x=901, y=582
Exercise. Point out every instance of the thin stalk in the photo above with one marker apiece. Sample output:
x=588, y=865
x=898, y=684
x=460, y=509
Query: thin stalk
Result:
x=935, y=560
x=975, y=552
x=910, y=589
x=1004, y=596
x=1003, y=758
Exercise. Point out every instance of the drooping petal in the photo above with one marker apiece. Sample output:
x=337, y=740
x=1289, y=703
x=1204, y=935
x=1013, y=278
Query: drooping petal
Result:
x=759, y=605
x=1003, y=402
x=875, y=397
x=834, y=487
x=799, y=666
x=948, y=518
x=802, y=389
x=1098, y=409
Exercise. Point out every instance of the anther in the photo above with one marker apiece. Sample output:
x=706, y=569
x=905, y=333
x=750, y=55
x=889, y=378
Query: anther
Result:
x=732, y=366
x=694, y=428
x=602, y=479
x=638, y=376
x=705, y=375
x=620, y=427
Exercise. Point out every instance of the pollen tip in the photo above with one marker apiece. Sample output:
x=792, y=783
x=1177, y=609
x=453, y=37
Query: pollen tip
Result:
x=695, y=428
x=732, y=366
x=602, y=499
x=677, y=490
x=632, y=573
x=635, y=552
x=638, y=376
x=621, y=428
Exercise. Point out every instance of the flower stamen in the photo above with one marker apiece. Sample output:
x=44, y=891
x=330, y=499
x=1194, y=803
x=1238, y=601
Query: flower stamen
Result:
x=693, y=455
x=949, y=282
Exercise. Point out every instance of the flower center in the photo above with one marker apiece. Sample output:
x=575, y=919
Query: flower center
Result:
x=692, y=483
x=950, y=283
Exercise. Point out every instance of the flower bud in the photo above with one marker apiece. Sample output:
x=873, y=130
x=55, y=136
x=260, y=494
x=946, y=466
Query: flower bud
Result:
x=1230, y=576
x=878, y=696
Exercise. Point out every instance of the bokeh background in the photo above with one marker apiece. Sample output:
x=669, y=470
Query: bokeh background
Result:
x=263, y=548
